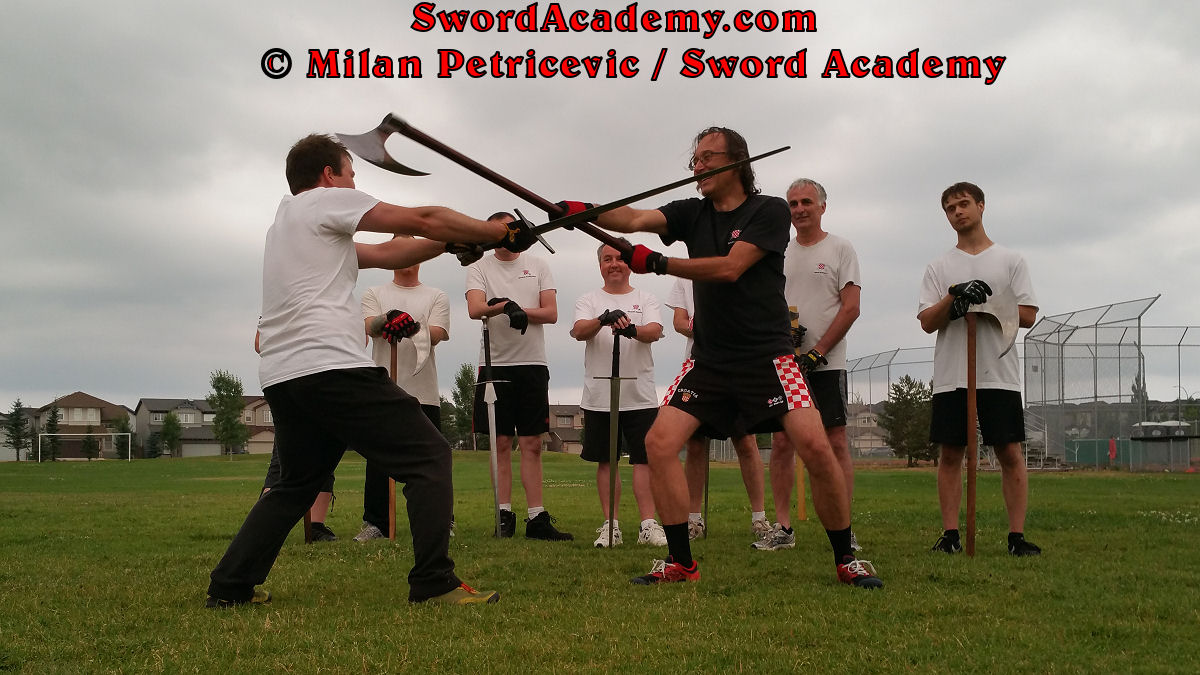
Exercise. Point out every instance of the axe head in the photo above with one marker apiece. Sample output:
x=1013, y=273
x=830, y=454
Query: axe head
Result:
x=370, y=146
x=1001, y=308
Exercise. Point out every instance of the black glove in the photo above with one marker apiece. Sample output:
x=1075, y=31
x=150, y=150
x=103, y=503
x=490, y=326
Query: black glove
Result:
x=517, y=318
x=399, y=325
x=975, y=291
x=467, y=254
x=520, y=236
x=798, y=332
x=642, y=260
x=629, y=331
x=810, y=360
x=959, y=308
x=571, y=208
x=610, y=316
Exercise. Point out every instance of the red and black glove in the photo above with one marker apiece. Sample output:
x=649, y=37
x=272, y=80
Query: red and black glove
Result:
x=643, y=260
x=809, y=361
x=610, y=316
x=399, y=325
x=467, y=254
x=570, y=208
x=517, y=318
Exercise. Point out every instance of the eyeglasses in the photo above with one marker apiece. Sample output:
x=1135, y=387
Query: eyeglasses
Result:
x=705, y=158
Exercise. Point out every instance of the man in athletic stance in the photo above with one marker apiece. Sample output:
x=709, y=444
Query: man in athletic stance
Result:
x=695, y=463
x=743, y=371
x=964, y=276
x=619, y=309
x=324, y=391
x=430, y=308
x=823, y=285
x=520, y=287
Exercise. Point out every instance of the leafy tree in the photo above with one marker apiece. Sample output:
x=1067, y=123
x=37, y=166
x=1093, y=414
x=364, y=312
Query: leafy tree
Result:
x=172, y=434
x=50, y=447
x=227, y=404
x=464, y=402
x=91, y=444
x=449, y=424
x=122, y=444
x=154, y=445
x=905, y=420
x=17, y=427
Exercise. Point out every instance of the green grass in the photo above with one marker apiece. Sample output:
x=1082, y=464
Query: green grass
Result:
x=103, y=568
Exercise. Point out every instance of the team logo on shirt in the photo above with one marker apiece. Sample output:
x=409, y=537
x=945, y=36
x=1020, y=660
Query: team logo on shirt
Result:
x=686, y=395
x=821, y=268
x=775, y=400
x=637, y=308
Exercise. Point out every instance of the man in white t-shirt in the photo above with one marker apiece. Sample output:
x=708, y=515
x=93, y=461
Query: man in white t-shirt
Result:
x=515, y=293
x=618, y=309
x=963, y=276
x=745, y=445
x=325, y=392
x=430, y=308
x=824, y=285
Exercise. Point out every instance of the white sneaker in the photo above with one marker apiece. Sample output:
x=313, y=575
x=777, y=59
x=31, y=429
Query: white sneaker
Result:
x=602, y=531
x=369, y=532
x=695, y=529
x=652, y=534
x=760, y=528
x=776, y=540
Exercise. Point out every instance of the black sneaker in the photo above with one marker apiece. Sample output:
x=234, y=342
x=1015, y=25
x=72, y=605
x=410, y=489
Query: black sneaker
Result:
x=508, y=524
x=260, y=597
x=322, y=533
x=542, y=527
x=947, y=544
x=1019, y=547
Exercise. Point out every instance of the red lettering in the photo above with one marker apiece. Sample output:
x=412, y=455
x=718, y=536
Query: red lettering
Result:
x=422, y=19
x=449, y=60
x=836, y=64
x=931, y=67
x=322, y=66
x=554, y=17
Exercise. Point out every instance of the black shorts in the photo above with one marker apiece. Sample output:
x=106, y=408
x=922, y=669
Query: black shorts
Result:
x=1001, y=417
x=632, y=426
x=828, y=389
x=736, y=399
x=522, y=401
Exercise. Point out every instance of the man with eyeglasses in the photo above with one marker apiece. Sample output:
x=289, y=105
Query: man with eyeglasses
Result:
x=743, y=373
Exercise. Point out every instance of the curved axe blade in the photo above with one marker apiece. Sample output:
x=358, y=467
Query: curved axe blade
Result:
x=1002, y=308
x=370, y=146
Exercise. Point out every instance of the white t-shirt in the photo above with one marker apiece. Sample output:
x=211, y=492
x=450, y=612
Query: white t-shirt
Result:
x=310, y=318
x=816, y=276
x=522, y=281
x=680, y=297
x=636, y=360
x=1001, y=268
x=427, y=305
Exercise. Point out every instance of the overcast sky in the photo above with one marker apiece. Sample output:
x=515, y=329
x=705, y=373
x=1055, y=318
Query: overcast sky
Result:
x=143, y=156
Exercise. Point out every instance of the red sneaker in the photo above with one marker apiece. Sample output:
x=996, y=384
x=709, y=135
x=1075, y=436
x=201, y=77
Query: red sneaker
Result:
x=860, y=573
x=668, y=571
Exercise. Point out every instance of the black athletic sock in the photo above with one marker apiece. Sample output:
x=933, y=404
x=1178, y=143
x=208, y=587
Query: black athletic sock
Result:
x=1014, y=537
x=678, y=544
x=951, y=535
x=840, y=539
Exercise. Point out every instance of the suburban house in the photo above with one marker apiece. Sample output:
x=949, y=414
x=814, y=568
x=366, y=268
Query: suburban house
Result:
x=566, y=429
x=76, y=413
x=196, y=420
x=863, y=432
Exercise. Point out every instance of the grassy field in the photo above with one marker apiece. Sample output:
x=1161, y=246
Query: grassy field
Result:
x=103, y=568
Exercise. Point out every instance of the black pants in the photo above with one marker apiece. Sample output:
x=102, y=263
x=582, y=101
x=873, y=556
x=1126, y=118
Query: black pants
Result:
x=375, y=489
x=318, y=416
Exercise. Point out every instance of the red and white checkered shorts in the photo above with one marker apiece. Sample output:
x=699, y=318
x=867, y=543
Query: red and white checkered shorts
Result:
x=732, y=399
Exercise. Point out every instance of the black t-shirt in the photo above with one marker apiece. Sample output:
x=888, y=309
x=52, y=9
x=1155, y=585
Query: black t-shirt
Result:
x=746, y=319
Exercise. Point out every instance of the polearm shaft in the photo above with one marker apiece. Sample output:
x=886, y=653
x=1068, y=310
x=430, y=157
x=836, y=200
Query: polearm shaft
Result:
x=614, y=413
x=972, y=434
x=489, y=398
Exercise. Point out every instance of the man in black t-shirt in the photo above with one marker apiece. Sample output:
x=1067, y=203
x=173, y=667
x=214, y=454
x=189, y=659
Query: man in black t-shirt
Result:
x=743, y=370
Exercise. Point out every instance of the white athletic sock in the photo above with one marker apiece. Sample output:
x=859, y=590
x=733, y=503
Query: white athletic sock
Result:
x=647, y=523
x=695, y=517
x=506, y=507
x=535, y=510
x=758, y=515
